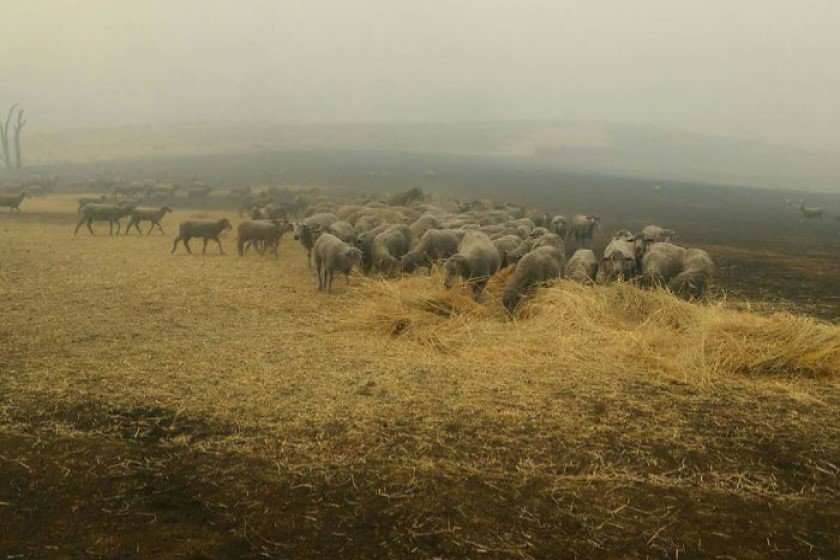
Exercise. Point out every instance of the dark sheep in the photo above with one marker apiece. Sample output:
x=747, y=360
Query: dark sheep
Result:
x=263, y=234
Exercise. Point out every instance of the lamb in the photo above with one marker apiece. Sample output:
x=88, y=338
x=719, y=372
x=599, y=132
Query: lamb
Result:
x=110, y=213
x=331, y=255
x=12, y=201
x=476, y=261
x=148, y=214
x=206, y=229
x=661, y=263
x=436, y=244
x=389, y=247
x=696, y=274
x=537, y=268
x=582, y=267
x=263, y=234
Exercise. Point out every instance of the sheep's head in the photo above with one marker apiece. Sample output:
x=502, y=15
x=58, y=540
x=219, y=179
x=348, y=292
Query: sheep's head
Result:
x=166, y=209
x=299, y=230
x=225, y=223
x=353, y=256
x=454, y=267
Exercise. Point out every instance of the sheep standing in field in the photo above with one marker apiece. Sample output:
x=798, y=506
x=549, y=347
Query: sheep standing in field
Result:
x=331, y=255
x=206, y=229
x=559, y=225
x=661, y=263
x=583, y=228
x=695, y=276
x=435, y=245
x=475, y=262
x=582, y=267
x=389, y=247
x=537, y=268
x=147, y=214
x=111, y=213
x=366, y=239
x=263, y=234
x=810, y=213
x=308, y=230
x=12, y=201
x=619, y=259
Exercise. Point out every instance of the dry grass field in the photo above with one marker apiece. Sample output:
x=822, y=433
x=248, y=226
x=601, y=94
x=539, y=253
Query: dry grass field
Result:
x=157, y=405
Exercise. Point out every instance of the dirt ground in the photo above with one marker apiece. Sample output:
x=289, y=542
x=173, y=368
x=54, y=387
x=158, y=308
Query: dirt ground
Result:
x=157, y=405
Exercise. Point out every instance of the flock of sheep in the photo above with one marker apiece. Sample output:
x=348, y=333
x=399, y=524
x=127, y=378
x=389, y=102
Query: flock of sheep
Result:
x=404, y=232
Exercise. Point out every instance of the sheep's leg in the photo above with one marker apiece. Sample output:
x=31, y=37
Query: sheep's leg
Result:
x=90, y=226
x=309, y=257
x=175, y=245
x=151, y=227
x=187, y=245
x=119, y=227
x=239, y=249
x=260, y=246
x=221, y=251
x=329, y=274
x=204, y=249
x=318, y=271
x=160, y=227
x=78, y=226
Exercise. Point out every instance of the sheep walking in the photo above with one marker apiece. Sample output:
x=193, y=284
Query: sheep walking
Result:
x=206, y=229
x=263, y=234
x=12, y=201
x=331, y=255
x=475, y=262
x=147, y=214
x=111, y=213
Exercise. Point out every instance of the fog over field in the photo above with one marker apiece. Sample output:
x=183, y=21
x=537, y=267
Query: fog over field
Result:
x=718, y=73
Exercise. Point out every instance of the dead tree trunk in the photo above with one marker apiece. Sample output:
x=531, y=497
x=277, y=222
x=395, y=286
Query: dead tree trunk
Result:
x=4, y=140
x=18, y=127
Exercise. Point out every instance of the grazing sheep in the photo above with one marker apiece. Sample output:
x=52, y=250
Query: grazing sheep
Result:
x=809, y=213
x=331, y=255
x=348, y=212
x=661, y=263
x=656, y=234
x=582, y=267
x=389, y=247
x=263, y=234
x=475, y=262
x=206, y=229
x=423, y=224
x=559, y=225
x=366, y=239
x=505, y=245
x=583, y=228
x=147, y=214
x=12, y=201
x=344, y=231
x=91, y=200
x=111, y=213
x=435, y=245
x=537, y=268
x=619, y=260
x=308, y=230
x=696, y=274
x=405, y=198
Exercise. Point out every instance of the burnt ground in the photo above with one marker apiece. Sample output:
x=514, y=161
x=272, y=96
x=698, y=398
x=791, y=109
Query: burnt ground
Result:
x=735, y=469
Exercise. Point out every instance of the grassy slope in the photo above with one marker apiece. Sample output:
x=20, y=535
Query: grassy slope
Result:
x=217, y=406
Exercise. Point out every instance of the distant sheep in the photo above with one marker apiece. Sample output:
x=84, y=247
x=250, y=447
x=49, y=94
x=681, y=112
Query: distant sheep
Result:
x=583, y=228
x=206, y=229
x=475, y=262
x=810, y=213
x=12, y=201
x=331, y=255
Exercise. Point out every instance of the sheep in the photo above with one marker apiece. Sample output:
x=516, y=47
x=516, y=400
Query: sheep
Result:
x=389, y=247
x=537, y=268
x=656, y=234
x=206, y=229
x=526, y=222
x=559, y=225
x=344, y=231
x=331, y=255
x=476, y=261
x=423, y=224
x=405, y=198
x=808, y=213
x=505, y=245
x=153, y=215
x=308, y=230
x=546, y=240
x=91, y=200
x=695, y=276
x=583, y=228
x=619, y=260
x=12, y=201
x=263, y=234
x=366, y=239
x=661, y=263
x=582, y=267
x=436, y=244
x=110, y=213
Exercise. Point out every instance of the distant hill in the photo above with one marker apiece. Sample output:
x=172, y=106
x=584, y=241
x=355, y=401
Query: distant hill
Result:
x=611, y=149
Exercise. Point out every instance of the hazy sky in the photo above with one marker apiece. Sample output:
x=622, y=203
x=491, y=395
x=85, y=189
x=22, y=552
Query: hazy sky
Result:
x=760, y=69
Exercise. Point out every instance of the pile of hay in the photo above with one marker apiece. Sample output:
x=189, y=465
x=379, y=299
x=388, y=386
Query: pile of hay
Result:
x=611, y=328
